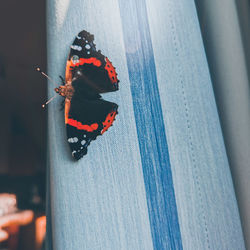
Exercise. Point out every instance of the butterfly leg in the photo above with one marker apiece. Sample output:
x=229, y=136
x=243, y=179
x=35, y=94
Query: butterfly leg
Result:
x=62, y=104
x=62, y=80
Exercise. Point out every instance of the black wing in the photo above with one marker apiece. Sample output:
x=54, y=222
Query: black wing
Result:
x=90, y=65
x=88, y=117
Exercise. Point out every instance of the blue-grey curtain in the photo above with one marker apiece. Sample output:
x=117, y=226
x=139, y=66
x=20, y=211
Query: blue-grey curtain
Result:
x=159, y=178
x=224, y=35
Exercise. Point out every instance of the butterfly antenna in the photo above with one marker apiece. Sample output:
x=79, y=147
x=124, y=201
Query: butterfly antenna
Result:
x=50, y=79
x=50, y=100
x=44, y=74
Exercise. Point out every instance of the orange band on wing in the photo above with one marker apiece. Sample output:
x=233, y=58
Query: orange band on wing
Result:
x=68, y=72
x=79, y=125
x=66, y=110
x=91, y=60
x=111, y=71
x=108, y=121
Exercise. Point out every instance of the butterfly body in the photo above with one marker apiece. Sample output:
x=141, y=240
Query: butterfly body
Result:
x=88, y=74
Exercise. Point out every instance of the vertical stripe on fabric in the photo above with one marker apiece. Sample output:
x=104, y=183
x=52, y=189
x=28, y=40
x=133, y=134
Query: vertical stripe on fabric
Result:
x=150, y=126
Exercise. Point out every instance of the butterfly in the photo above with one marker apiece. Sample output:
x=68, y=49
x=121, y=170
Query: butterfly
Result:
x=88, y=74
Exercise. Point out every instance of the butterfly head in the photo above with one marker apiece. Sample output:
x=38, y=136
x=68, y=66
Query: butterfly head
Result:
x=66, y=91
x=60, y=90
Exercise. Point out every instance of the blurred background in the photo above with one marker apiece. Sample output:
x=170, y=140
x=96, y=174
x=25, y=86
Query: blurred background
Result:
x=23, y=124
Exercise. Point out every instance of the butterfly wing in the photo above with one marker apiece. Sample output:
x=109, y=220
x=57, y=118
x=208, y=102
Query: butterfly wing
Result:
x=90, y=73
x=87, y=63
x=86, y=117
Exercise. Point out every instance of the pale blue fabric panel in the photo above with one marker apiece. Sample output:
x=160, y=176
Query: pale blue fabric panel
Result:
x=150, y=126
x=207, y=208
x=98, y=202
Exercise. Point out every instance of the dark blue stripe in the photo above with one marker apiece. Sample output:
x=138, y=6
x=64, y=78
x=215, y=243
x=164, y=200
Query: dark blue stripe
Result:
x=150, y=126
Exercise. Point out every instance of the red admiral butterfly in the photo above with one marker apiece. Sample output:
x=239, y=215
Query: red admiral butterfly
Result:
x=88, y=74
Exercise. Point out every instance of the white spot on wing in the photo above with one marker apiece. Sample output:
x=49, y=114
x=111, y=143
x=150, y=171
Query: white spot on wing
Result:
x=73, y=140
x=83, y=142
x=76, y=47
